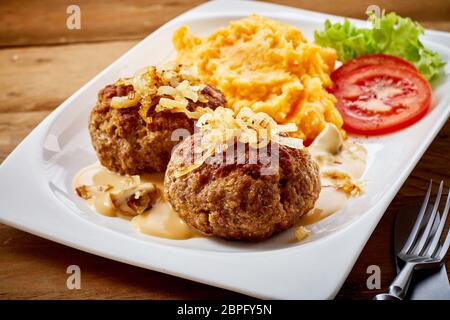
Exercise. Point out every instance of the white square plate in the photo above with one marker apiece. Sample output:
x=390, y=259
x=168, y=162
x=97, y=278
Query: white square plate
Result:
x=36, y=184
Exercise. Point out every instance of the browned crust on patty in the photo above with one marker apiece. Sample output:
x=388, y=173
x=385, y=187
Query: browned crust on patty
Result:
x=126, y=144
x=235, y=201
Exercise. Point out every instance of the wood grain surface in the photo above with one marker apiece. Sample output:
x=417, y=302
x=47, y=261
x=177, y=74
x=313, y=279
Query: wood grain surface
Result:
x=42, y=63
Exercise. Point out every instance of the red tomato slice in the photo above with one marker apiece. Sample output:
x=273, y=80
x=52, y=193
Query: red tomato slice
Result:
x=370, y=60
x=381, y=98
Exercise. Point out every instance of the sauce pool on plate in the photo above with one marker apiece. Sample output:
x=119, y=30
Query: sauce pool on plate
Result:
x=158, y=220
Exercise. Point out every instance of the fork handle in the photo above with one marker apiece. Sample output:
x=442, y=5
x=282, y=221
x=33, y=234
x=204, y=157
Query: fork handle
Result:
x=399, y=287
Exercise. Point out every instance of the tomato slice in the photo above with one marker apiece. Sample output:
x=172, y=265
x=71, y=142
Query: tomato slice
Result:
x=381, y=98
x=369, y=60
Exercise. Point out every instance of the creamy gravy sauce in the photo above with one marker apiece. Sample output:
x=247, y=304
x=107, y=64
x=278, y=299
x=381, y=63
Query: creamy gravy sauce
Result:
x=97, y=176
x=333, y=154
x=330, y=201
x=341, y=162
x=160, y=220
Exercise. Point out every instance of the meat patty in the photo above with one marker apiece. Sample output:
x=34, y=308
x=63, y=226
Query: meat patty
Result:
x=236, y=201
x=126, y=144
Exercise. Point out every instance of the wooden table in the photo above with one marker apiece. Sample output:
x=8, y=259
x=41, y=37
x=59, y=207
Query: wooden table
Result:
x=42, y=63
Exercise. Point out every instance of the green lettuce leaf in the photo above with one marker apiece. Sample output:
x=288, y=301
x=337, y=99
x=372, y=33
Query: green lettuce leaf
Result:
x=390, y=34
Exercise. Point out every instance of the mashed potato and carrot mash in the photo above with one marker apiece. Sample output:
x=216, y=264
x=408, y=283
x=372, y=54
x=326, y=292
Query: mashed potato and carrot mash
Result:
x=268, y=66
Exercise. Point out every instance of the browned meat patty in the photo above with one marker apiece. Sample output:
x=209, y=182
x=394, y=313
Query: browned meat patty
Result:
x=234, y=201
x=126, y=144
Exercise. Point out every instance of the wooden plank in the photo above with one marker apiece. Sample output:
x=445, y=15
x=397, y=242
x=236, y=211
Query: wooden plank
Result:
x=38, y=23
x=430, y=13
x=102, y=20
x=40, y=78
x=14, y=126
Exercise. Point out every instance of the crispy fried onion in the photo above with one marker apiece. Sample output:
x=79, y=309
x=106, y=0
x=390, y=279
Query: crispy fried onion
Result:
x=175, y=86
x=221, y=128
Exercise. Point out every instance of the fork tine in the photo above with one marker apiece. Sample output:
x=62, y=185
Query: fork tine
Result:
x=435, y=242
x=444, y=248
x=415, y=230
x=425, y=237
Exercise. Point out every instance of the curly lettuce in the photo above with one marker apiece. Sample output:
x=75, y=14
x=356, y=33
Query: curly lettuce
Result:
x=390, y=34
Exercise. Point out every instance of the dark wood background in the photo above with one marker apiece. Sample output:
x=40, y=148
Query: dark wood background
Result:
x=42, y=63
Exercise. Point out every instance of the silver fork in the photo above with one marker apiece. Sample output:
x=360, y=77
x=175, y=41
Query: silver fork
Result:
x=422, y=249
